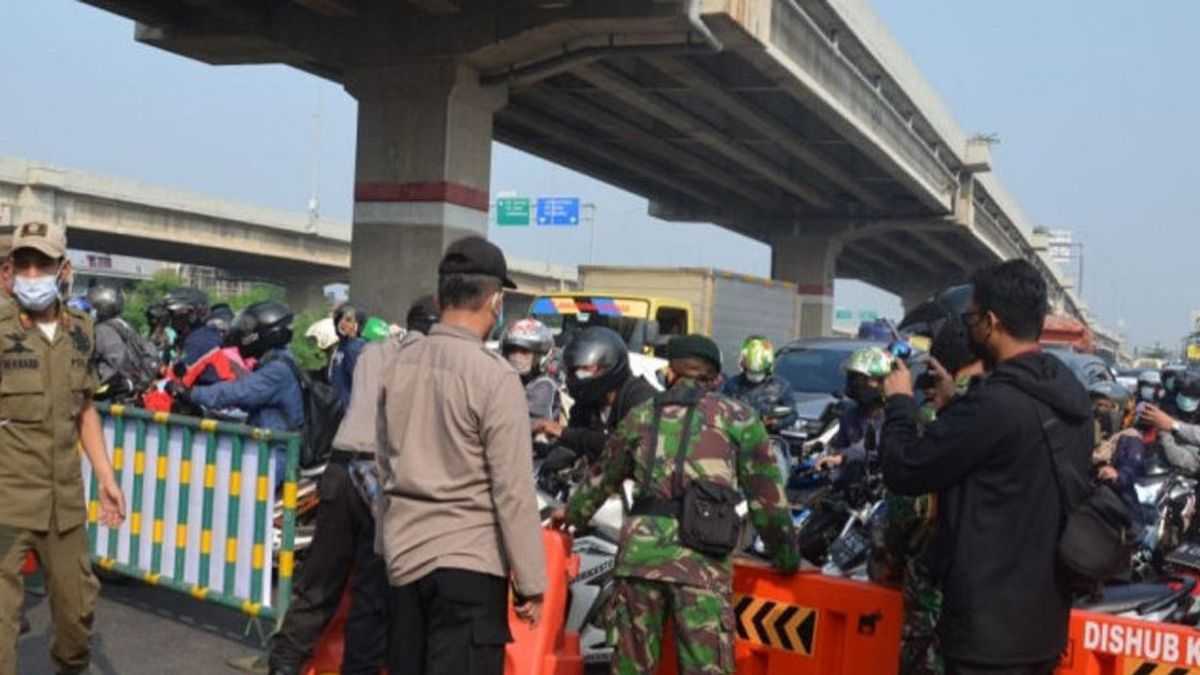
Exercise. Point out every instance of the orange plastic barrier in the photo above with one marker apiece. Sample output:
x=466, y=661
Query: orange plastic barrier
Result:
x=545, y=649
x=1109, y=645
x=809, y=624
x=327, y=657
x=548, y=649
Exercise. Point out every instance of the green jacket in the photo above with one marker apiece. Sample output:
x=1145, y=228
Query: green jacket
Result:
x=728, y=445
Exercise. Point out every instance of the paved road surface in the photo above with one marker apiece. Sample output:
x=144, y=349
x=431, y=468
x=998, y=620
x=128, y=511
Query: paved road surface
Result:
x=141, y=630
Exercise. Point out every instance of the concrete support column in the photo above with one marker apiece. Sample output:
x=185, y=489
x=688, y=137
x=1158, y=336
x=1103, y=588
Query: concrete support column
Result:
x=809, y=261
x=306, y=292
x=422, y=176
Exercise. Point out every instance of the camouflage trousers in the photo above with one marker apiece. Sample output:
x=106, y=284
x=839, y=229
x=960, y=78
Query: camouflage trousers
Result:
x=919, y=654
x=704, y=628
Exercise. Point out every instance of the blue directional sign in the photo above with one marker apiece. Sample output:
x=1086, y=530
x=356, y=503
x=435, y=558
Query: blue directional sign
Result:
x=562, y=211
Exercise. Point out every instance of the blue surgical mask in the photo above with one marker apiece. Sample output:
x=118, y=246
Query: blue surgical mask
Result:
x=36, y=293
x=1187, y=404
x=1147, y=394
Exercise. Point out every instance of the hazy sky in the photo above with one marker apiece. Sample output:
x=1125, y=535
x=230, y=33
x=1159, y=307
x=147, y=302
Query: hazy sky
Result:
x=1089, y=101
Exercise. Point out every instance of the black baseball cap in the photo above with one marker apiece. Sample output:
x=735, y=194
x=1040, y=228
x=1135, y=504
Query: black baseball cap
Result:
x=476, y=255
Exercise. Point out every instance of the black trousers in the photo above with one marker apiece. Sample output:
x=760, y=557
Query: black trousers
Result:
x=343, y=542
x=959, y=668
x=449, y=622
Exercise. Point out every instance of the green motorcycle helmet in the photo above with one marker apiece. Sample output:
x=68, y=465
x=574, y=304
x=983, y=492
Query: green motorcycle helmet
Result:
x=758, y=358
x=873, y=362
x=375, y=329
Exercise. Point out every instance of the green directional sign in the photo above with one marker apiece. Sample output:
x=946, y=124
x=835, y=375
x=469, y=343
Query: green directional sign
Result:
x=843, y=315
x=512, y=211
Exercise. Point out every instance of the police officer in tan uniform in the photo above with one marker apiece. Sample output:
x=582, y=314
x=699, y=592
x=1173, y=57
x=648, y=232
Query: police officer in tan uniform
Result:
x=46, y=413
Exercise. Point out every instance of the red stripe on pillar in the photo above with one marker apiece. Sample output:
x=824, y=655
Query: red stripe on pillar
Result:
x=814, y=289
x=438, y=191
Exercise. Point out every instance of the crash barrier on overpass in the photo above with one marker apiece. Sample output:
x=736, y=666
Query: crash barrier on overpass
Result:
x=545, y=649
x=199, y=496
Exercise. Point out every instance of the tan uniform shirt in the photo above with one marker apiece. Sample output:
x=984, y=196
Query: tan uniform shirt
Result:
x=457, y=464
x=44, y=387
x=357, y=432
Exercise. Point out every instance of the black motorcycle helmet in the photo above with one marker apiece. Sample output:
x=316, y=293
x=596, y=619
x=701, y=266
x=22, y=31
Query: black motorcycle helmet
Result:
x=422, y=315
x=927, y=317
x=1170, y=377
x=187, y=307
x=1120, y=397
x=1187, y=394
x=262, y=327
x=106, y=301
x=596, y=346
x=220, y=319
x=157, y=315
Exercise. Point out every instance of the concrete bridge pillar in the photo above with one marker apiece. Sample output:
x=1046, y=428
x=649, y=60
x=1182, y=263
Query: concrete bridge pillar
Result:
x=306, y=292
x=422, y=176
x=809, y=261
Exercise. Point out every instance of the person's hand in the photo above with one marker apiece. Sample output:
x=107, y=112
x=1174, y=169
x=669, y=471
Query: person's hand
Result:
x=112, y=504
x=944, y=386
x=558, y=519
x=830, y=462
x=1107, y=474
x=529, y=609
x=177, y=391
x=1155, y=416
x=548, y=428
x=898, y=382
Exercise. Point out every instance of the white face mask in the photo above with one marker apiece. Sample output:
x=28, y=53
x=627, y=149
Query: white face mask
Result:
x=584, y=375
x=756, y=378
x=522, y=362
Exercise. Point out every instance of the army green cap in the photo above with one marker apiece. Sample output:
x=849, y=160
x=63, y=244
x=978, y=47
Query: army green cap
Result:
x=697, y=346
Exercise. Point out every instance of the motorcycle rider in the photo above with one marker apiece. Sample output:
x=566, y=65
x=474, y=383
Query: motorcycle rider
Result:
x=526, y=344
x=187, y=310
x=1170, y=383
x=349, y=322
x=1180, y=436
x=1150, y=387
x=758, y=387
x=604, y=389
x=422, y=315
x=125, y=362
x=1120, y=454
x=270, y=394
x=660, y=572
x=856, y=445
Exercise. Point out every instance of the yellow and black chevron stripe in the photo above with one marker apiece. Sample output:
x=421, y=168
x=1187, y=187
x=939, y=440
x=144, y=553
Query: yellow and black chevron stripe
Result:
x=1140, y=667
x=777, y=625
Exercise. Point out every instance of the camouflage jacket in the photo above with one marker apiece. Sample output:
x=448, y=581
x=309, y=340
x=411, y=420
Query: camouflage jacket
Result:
x=764, y=397
x=728, y=445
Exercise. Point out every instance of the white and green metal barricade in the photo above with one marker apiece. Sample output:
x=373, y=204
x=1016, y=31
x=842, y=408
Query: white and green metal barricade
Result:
x=199, y=497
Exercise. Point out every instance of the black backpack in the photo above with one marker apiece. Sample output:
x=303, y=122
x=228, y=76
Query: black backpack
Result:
x=141, y=363
x=323, y=413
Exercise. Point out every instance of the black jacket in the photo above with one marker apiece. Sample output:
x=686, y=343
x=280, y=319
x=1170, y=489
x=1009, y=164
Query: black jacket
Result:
x=1006, y=601
x=586, y=430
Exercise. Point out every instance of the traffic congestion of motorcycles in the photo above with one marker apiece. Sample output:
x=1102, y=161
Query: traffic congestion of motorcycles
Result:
x=820, y=399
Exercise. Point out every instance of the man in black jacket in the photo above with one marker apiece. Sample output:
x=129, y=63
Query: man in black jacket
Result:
x=603, y=387
x=1007, y=601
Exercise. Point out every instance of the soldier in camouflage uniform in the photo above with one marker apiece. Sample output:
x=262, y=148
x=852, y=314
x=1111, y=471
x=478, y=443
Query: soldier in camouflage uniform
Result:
x=758, y=387
x=656, y=576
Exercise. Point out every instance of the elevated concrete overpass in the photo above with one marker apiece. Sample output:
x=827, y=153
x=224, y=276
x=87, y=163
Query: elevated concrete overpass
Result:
x=800, y=123
x=127, y=217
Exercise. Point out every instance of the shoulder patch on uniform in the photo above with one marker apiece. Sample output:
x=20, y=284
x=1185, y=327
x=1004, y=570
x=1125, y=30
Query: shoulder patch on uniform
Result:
x=81, y=339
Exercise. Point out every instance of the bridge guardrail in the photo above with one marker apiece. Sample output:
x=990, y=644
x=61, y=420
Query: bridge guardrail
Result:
x=199, y=501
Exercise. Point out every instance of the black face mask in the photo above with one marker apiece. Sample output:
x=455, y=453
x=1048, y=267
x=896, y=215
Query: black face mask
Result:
x=1108, y=425
x=862, y=393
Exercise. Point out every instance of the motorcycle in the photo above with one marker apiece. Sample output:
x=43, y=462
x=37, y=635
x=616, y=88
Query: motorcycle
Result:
x=596, y=547
x=307, y=500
